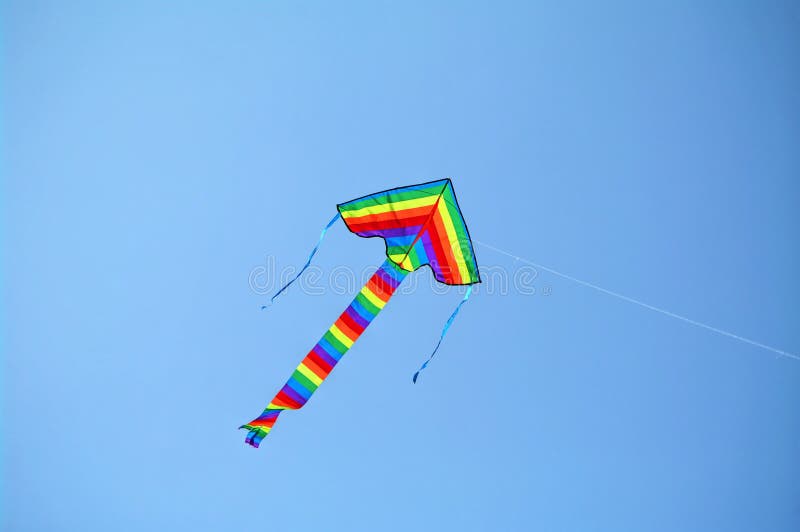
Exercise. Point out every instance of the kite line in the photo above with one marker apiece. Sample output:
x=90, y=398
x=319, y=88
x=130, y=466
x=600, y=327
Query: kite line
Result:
x=641, y=303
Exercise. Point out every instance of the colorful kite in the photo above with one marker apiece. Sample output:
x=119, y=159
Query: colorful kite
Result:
x=421, y=225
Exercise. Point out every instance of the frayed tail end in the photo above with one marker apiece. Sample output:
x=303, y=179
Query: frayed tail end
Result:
x=260, y=427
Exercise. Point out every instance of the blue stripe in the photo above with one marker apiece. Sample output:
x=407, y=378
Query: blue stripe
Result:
x=298, y=388
x=364, y=313
x=394, y=270
x=325, y=356
x=328, y=348
x=400, y=241
x=422, y=254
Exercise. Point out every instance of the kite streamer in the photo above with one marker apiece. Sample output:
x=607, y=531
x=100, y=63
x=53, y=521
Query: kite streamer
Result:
x=421, y=225
x=308, y=262
x=444, y=331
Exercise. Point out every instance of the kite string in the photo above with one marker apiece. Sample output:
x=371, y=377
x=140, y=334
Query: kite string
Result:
x=642, y=303
x=308, y=262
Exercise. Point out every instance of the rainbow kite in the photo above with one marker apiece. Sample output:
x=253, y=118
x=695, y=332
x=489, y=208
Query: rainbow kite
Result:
x=421, y=225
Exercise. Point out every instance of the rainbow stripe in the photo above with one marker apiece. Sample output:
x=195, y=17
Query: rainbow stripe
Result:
x=324, y=356
x=422, y=225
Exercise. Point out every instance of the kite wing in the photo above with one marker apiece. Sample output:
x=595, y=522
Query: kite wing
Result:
x=421, y=225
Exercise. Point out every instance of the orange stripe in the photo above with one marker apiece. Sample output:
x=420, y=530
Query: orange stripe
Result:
x=318, y=371
x=404, y=214
x=376, y=289
x=346, y=330
x=263, y=422
x=439, y=232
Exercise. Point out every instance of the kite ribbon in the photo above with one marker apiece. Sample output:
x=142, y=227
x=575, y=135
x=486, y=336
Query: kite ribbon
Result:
x=444, y=332
x=308, y=262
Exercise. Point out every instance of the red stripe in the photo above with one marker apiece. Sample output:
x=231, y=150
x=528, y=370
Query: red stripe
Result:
x=402, y=214
x=282, y=399
x=318, y=371
x=381, y=283
x=450, y=266
x=320, y=362
x=377, y=292
x=347, y=331
x=358, y=227
x=263, y=422
x=376, y=286
x=352, y=324
x=436, y=244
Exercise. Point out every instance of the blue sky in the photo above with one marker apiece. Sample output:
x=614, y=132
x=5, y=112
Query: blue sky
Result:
x=154, y=155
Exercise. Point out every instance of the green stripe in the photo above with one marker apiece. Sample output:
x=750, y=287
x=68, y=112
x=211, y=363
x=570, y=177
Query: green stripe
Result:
x=391, y=197
x=367, y=304
x=302, y=379
x=461, y=233
x=413, y=256
x=395, y=250
x=339, y=346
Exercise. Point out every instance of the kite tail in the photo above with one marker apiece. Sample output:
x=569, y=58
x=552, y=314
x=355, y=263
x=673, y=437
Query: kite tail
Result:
x=444, y=332
x=260, y=427
x=324, y=356
x=308, y=262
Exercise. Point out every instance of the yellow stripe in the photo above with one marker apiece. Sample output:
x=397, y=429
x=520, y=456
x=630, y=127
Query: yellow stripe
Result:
x=403, y=261
x=276, y=407
x=253, y=427
x=375, y=300
x=310, y=375
x=342, y=337
x=452, y=241
x=393, y=206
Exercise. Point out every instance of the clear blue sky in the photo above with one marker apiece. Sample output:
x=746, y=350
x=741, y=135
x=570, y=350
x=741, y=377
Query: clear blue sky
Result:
x=153, y=155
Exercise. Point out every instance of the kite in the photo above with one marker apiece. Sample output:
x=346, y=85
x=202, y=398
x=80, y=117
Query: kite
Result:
x=421, y=225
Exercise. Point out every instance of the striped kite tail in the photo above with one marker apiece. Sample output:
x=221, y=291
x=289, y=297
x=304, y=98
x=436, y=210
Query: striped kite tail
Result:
x=324, y=356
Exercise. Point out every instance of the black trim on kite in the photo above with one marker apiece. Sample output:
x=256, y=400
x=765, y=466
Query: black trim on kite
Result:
x=446, y=180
